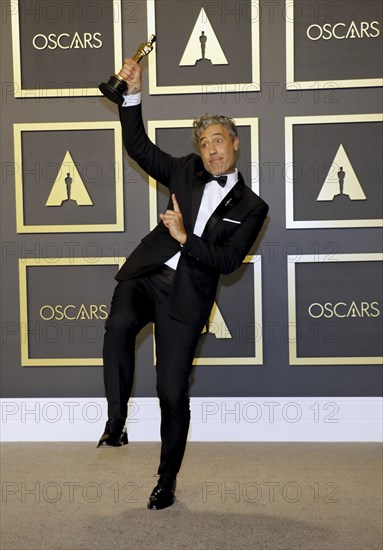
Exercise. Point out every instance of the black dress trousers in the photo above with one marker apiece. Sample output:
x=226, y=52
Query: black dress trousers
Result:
x=135, y=303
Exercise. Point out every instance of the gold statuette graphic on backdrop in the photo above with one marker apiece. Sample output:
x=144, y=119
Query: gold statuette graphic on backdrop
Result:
x=115, y=88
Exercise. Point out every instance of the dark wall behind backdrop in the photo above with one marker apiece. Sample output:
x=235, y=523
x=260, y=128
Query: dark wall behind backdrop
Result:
x=276, y=377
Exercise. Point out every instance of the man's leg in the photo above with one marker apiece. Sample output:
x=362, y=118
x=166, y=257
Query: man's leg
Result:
x=131, y=310
x=175, y=348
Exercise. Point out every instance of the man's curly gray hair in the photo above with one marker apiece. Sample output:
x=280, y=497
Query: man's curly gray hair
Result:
x=201, y=123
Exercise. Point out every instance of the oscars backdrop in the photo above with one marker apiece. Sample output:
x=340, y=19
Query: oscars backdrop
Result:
x=293, y=350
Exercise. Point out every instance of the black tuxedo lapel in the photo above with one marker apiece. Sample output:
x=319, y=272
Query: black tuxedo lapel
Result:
x=200, y=178
x=231, y=199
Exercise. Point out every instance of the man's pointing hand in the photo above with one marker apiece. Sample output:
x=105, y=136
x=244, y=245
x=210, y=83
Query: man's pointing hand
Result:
x=173, y=220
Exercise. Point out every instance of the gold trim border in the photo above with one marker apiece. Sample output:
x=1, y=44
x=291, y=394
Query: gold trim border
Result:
x=196, y=89
x=21, y=227
x=291, y=291
x=26, y=361
x=116, y=13
x=291, y=83
x=291, y=223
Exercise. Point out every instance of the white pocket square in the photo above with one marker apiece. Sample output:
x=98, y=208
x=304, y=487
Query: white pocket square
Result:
x=231, y=221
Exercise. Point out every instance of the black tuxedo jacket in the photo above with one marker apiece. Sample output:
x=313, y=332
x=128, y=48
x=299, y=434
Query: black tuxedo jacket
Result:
x=227, y=238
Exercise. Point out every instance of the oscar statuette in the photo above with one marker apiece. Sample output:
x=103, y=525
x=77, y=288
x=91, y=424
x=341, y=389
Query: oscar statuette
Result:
x=115, y=88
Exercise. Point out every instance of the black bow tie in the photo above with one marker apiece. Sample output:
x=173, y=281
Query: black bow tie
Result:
x=220, y=179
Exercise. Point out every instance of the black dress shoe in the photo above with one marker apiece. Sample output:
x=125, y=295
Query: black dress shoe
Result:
x=115, y=434
x=163, y=494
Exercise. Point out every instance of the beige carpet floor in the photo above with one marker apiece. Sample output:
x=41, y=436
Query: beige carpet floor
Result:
x=235, y=496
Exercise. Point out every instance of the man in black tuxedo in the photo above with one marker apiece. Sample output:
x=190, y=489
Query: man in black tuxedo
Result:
x=171, y=278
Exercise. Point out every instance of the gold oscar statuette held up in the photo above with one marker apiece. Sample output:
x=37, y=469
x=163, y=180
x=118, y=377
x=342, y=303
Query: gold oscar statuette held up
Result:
x=116, y=87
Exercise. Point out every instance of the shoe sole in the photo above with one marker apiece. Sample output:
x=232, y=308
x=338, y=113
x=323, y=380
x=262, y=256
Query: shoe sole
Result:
x=162, y=507
x=121, y=442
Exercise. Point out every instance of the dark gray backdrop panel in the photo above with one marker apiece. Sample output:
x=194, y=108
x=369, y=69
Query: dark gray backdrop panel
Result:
x=51, y=66
x=345, y=304
x=315, y=147
x=92, y=152
x=237, y=46
x=356, y=53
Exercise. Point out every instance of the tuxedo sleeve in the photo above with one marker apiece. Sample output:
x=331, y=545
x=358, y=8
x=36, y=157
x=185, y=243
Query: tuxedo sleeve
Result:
x=155, y=162
x=225, y=257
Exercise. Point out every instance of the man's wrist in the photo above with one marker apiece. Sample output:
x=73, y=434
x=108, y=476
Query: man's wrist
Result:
x=183, y=240
x=134, y=91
